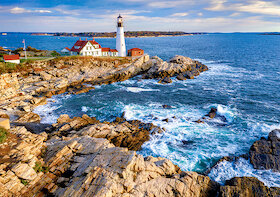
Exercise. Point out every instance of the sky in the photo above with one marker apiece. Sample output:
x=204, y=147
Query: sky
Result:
x=148, y=15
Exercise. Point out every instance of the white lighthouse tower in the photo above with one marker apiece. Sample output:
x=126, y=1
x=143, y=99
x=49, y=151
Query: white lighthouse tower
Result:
x=120, y=42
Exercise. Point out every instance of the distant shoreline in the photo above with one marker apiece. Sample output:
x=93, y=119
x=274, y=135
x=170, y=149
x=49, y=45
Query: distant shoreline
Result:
x=113, y=34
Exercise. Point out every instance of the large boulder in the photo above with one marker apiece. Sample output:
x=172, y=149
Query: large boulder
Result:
x=265, y=153
x=247, y=187
x=28, y=117
x=97, y=168
x=179, y=66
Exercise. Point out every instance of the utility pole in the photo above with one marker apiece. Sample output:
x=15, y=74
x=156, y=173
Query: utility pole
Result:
x=24, y=48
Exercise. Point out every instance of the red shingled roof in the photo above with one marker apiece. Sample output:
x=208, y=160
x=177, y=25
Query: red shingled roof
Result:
x=11, y=57
x=114, y=50
x=105, y=49
x=135, y=49
x=67, y=48
x=79, y=45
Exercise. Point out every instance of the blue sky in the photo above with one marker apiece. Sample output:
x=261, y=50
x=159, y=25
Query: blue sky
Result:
x=154, y=15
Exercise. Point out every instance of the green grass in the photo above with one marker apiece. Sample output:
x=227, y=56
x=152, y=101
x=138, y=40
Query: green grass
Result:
x=40, y=168
x=3, y=135
x=10, y=67
x=24, y=182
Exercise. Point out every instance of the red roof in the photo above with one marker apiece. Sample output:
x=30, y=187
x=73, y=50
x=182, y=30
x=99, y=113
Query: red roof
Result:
x=105, y=49
x=79, y=45
x=11, y=57
x=135, y=49
x=67, y=48
x=114, y=50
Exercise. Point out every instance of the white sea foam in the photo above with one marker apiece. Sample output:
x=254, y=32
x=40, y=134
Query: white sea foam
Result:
x=46, y=112
x=137, y=90
x=226, y=170
x=85, y=109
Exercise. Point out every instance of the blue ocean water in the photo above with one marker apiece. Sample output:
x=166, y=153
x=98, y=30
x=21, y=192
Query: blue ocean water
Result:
x=243, y=83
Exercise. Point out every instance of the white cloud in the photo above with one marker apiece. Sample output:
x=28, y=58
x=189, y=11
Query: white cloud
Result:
x=200, y=14
x=169, y=4
x=18, y=10
x=235, y=14
x=181, y=14
x=256, y=7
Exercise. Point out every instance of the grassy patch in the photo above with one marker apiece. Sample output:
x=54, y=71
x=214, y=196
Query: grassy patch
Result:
x=24, y=182
x=11, y=68
x=3, y=135
x=116, y=60
x=40, y=168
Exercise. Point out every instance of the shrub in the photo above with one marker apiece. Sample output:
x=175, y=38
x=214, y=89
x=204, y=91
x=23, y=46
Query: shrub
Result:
x=3, y=135
x=55, y=54
x=40, y=168
x=24, y=182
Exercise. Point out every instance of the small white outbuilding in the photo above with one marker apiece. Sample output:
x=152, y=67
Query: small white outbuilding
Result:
x=11, y=59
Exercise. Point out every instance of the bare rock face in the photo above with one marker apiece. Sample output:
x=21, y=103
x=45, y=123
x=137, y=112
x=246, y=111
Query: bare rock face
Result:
x=247, y=186
x=122, y=133
x=28, y=117
x=9, y=85
x=265, y=153
x=99, y=169
x=22, y=153
x=180, y=66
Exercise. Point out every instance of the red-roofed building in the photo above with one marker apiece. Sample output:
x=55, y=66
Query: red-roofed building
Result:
x=135, y=52
x=65, y=51
x=11, y=59
x=90, y=48
x=109, y=52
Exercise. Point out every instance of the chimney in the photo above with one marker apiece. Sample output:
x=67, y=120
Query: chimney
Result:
x=92, y=38
x=86, y=39
x=80, y=39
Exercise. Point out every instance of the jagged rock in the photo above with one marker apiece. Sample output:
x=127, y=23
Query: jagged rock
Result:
x=247, y=186
x=5, y=123
x=166, y=106
x=165, y=80
x=118, y=172
x=64, y=118
x=24, y=171
x=4, y=116
x=29, y=117
x=166, y=120
x=212, y=113
x=265, y=153
x=188, y=75
x=45, y=76
x=181, y=77
x=180, y=66
x=130, y=134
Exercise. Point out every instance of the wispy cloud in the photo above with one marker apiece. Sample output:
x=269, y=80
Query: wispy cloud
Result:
x=18, y=10
x=169, y=4
x=256, y=7
x=181, y=14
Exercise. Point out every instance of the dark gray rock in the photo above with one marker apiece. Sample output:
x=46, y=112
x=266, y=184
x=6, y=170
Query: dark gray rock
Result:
x=265, y=153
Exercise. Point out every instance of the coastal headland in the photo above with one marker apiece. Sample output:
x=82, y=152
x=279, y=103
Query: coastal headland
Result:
x=128, y=34
x=82, y=156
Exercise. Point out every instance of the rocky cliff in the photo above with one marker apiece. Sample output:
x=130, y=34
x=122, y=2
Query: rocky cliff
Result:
x=87, y=166
x=8, y=85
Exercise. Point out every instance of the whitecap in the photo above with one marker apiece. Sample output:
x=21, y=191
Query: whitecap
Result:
x=226, y=170
x=85, y=109
x=136, y=90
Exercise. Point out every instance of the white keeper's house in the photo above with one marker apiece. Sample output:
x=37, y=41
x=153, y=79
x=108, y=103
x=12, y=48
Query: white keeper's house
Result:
x=91, y=48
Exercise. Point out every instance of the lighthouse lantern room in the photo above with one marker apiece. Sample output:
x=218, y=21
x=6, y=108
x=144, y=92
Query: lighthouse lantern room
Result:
x=120, y=42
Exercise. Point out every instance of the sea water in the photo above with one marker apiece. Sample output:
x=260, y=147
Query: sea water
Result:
x=242, y=83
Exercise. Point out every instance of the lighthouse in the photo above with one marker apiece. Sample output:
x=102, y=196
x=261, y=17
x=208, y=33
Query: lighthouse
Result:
x=120, y=42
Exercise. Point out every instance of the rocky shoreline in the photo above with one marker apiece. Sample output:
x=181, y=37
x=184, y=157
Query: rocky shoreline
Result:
x=85, y=157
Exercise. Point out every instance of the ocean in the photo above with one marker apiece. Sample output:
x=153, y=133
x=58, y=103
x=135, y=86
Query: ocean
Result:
x=242, y=83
